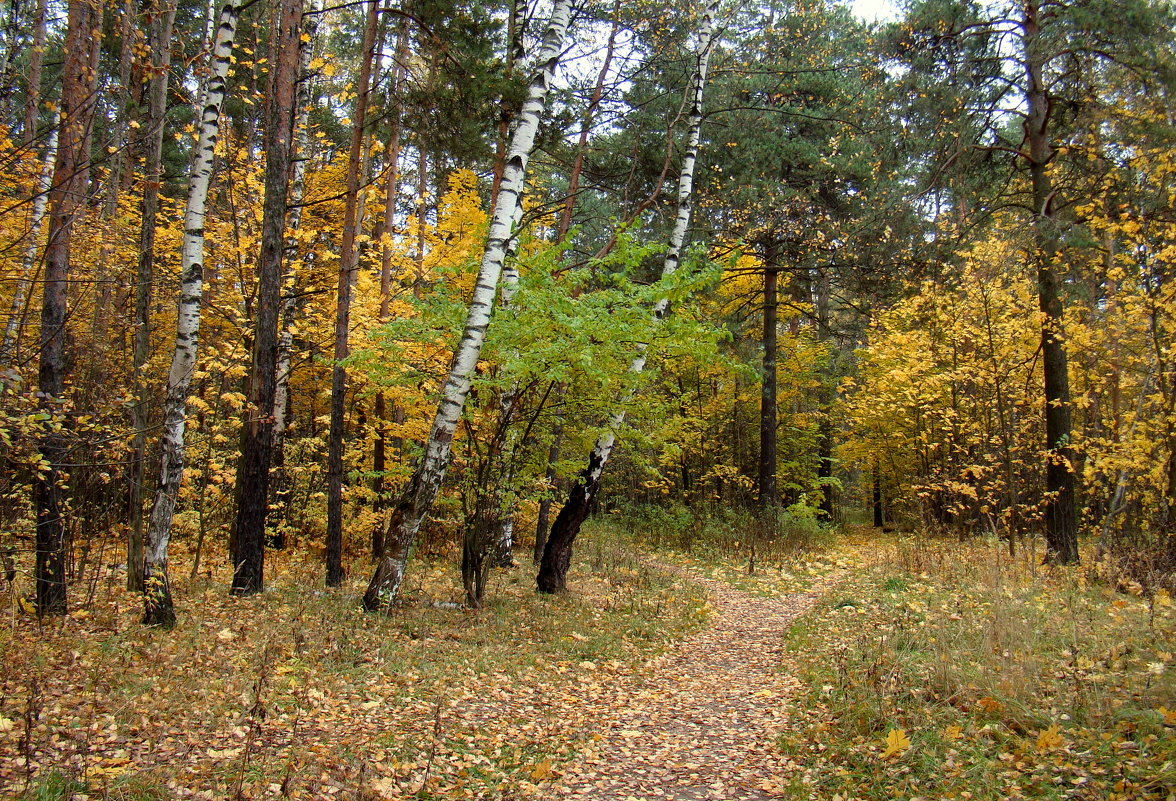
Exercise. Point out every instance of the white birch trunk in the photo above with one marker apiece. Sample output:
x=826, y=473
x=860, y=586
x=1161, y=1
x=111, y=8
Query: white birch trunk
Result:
x=604, y=444
x=557, y=555
x=32, y=246
x=159, y=609
x=426, y=481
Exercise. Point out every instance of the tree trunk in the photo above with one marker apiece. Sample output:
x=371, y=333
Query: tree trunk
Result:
x=768, y=497
x=29, y=265
x=66, y=200
x=160, y=33
x=36, y=59
x=1061, y=520
x=876, y=499
x=391, y=193
x=557, y=553
x=280, y=481
x=426, y=480
x=543, y=523
x=257, y=433
x=348, y=262
x=159, y=609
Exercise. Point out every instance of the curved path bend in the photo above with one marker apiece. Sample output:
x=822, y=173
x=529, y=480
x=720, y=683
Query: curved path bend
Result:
x=702, y=722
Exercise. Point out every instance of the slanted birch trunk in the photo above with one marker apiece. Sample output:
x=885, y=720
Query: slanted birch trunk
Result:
x=422, y=488
x=557, y=553
x=159, y=608
x=348, y=262
x=543, y=519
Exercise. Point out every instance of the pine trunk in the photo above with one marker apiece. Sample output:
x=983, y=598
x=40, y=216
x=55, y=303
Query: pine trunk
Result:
x=348, y=262
x=1061, y=520
x=66, y=201
x=36, y=59
x=768, y=497
x=391, y=193
x=557, y=554
x=159, y=608
x=280, y=479
x=426, y=480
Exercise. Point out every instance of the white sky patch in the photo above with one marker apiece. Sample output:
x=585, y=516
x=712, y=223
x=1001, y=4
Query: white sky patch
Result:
x=875, y=10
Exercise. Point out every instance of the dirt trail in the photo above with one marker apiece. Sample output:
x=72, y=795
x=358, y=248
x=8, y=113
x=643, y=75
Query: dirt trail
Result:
x=702, y=722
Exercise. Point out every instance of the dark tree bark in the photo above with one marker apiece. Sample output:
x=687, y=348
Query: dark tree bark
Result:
x=1061, y=519
x=768, y=496
x=348, y=262
x=66, y=200
x=876, y=499
x=391, y=193
x=36, y=59
x=160, y=25
x=257, y=433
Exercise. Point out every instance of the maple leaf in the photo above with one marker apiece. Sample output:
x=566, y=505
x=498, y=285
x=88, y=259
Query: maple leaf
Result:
x=897, y=742
x=1050, y=738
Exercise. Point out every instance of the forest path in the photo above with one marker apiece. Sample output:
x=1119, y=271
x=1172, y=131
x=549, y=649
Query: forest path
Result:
x=702, y=721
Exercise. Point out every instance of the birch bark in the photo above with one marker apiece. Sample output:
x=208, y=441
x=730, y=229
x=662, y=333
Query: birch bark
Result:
x=557, y=553
x=28, y=266
x=426, y=480
x=161, y=35
x=159, y=608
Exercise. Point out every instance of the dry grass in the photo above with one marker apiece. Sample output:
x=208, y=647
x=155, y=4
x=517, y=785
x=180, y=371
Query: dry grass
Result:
x=297, y=693
x=1008, y=679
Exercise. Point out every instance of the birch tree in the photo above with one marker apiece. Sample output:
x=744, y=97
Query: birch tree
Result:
x=557, y=553
x=160, y=40
x=426, y=480
x=159, y=608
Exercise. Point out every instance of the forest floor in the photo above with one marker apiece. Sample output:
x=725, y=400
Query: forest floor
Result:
x=865, y=669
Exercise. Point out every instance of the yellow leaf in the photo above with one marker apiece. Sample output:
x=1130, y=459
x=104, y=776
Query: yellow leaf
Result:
x=896, y=743
x=952, y=732
x=1169, y=715
x=989, y=704
x=541, y=771
x=1050, y=738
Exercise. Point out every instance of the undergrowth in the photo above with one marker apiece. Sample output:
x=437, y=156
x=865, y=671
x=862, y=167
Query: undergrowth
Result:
x=297, y=693
x=950, y=671
x=772, y=558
